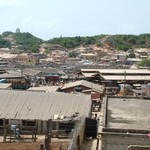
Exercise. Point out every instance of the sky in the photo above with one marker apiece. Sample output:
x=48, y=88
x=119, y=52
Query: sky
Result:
x=47, y=19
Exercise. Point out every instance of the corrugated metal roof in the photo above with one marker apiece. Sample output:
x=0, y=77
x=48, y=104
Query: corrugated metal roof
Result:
x=42, y=106
x=48, y=70
x=31, y=72
x=89, y=74
x=98, y=88
x=11, y=74
x=44, y=88
x=117, y=71
x=127, y=77
x=5, y=85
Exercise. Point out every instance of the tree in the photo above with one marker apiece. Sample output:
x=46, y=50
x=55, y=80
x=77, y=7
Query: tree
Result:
x=132, y=55
x=28, y=42
x=145, y=63
x=6, y=33
x=73, y=54
x=4, y=43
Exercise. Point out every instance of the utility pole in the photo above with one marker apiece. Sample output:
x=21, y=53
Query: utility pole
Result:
x=48, y=135
x=124, y=83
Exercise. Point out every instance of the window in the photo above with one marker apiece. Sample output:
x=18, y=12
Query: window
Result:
x=1, y=122
x=28, y=123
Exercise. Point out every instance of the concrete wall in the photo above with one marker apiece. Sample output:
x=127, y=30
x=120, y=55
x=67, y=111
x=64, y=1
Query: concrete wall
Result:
x=71, y=89
x=121, y=142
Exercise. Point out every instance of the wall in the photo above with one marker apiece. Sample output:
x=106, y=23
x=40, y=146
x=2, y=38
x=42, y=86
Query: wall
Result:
x=121, y=142
x=71, y=89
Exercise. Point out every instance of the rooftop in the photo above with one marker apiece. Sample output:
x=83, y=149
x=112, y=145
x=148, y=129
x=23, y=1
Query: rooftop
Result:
x=128, y=113
x=5, y=85
x=94, y=87
x=42, y=106
x=117, y=71
x=44, y=88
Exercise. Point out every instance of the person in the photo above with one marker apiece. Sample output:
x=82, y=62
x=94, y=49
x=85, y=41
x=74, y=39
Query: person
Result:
x=13, y=129
x=18, y=131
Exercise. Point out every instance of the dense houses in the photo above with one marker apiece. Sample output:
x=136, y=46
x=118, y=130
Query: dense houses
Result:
x=100, y=94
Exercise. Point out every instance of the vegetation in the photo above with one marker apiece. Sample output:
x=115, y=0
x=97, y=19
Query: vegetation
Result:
x=6, y=33
x=145, y=63
x=24, y=41
x=119, y=42
x=4, y=43
x=132, y=55
x=73, y=42
x=73, y=54
x=28, y=42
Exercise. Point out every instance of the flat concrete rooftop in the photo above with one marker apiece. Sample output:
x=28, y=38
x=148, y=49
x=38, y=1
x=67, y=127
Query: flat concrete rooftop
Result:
x=128, y=113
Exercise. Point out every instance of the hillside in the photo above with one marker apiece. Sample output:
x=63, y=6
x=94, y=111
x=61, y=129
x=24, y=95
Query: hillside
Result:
x=119, y=42
x=30, y=43
x=21, y=41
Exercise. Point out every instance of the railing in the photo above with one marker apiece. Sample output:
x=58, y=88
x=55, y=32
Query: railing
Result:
x=75, y=133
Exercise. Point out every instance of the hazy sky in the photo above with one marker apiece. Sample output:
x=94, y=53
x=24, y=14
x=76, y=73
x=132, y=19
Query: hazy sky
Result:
x=47, y=19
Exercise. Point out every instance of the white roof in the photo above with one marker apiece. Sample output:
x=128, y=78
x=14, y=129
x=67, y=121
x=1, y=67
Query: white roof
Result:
x=44, y=88
x=117, y=71
x=7, y=55
x=88, y=54
x=127, y=77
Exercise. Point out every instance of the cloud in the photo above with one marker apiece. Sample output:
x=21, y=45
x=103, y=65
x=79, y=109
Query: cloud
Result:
x=10, y=3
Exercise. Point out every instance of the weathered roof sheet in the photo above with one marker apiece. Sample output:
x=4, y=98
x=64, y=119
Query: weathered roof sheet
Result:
x=89, y=74
x=31, y=72
x=42, y=106
x=98, y=88
x=5, y=85
x=44, y=88
x=117, y=71
x=126, y=77
x=11, y=74
x=48, y=70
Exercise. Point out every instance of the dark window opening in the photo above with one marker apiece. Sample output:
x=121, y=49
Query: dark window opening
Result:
x=28, y=123
x=1, y=122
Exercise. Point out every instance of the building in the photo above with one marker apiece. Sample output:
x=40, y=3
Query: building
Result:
x=124, y=122
x=26, y=59
x=17, y=30
x=46, y=89
x=96, y=91
x=16, y=78
x=89, y=56
x=119, y=74
x=5, y=86
x=33, y=109
x=112, y=78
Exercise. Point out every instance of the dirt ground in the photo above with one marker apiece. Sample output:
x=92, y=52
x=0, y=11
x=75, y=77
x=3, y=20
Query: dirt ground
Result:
x=89, y=145
x=28, y=145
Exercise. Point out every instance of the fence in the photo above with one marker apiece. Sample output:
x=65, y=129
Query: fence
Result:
x=76, y=133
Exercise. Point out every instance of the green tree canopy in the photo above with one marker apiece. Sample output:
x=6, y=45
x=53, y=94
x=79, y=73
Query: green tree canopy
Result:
x=4, y=43
x=27, y=42
x=145, y=63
